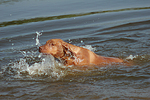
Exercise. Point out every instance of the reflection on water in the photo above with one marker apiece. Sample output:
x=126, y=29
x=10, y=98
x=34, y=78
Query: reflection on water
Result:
x=17, y=22
x=8, y=1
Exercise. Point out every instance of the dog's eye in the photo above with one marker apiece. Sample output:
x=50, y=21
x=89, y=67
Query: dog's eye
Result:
x=53, y=44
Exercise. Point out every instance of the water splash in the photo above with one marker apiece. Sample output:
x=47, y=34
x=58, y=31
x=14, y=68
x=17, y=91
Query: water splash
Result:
x=131, y=57
x=34, y=64
x=37, y=39
x=48, y=67
x=138, y=57
x=89, y=47
x=37, y=64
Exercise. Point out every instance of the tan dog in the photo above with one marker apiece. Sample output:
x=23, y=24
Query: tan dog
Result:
x=74, y=55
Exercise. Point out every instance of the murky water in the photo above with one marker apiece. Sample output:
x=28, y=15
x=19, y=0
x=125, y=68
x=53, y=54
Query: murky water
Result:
x=109, y=28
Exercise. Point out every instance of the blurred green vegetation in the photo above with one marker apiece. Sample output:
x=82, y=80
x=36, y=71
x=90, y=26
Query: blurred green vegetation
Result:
x=18, y=22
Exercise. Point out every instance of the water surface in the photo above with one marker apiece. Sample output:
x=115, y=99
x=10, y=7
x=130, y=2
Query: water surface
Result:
x=110, y=28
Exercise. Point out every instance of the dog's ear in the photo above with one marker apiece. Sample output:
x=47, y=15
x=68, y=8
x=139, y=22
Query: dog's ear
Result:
x=68, y=49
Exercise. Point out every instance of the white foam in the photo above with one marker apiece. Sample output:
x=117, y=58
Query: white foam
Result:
x=89, y=47
x=131, y=57
x=48, y=67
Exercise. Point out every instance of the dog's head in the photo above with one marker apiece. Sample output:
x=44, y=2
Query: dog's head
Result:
x=56, y=47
